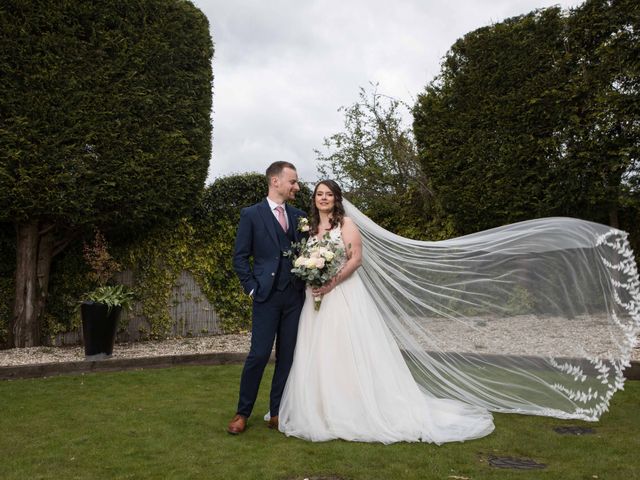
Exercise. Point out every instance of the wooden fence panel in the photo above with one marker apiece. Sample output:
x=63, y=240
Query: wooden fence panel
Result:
x=190, y=310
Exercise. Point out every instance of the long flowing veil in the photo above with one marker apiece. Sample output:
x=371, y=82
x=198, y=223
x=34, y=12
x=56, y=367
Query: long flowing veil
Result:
x=538, y=317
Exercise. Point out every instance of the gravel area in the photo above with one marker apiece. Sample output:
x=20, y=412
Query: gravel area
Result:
x=483, y=337
x=177, y=346
x=529, y=335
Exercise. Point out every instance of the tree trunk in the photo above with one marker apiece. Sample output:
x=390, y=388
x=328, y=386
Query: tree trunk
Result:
x=25, y=331
x=45, y=255
x=34, y=251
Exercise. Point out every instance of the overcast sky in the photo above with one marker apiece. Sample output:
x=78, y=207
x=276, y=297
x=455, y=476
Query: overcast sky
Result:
x=282, y=68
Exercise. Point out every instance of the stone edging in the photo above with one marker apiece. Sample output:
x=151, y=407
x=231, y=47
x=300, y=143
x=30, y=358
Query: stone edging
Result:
x=40, y=370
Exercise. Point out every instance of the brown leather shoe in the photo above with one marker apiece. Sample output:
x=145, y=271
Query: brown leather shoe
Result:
x=237, y=425
x=273, y=422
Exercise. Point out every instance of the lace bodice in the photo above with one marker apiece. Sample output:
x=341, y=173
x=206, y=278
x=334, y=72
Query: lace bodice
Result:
x=335, y=237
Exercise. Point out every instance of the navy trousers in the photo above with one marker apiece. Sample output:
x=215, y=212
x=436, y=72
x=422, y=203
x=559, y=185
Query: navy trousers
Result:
x=276, y=319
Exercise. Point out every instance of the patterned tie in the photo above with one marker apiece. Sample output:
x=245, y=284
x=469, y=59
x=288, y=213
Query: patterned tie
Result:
x=281, y=220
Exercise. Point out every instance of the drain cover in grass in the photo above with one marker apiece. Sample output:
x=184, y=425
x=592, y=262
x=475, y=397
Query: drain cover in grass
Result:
x=573, y=430
x=321, y=477
x=515, y=463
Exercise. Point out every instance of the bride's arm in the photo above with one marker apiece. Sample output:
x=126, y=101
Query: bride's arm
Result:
x=353, y=247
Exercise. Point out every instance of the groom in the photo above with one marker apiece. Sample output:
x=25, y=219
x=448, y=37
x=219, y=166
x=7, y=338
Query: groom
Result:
x=266, y=230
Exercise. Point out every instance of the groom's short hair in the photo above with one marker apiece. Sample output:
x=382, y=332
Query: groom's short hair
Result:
x=275, y=169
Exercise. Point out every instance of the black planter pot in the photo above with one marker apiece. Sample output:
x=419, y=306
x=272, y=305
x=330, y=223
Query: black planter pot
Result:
x=99, y=327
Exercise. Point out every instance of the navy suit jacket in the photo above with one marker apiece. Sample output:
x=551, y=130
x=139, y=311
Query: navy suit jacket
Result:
x=257, y=238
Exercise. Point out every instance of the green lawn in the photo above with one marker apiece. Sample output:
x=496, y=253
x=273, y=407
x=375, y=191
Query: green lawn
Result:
x=170, y=424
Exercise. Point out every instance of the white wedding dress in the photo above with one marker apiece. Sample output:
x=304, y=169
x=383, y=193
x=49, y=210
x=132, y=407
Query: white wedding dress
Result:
x=349, y=380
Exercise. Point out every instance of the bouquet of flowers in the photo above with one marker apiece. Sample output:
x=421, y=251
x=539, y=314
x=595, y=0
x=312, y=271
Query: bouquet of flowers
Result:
x=318, y=261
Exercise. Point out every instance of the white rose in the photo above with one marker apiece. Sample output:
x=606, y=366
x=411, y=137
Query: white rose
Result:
x=319, y=263
x=299, y=262
x=329, y=256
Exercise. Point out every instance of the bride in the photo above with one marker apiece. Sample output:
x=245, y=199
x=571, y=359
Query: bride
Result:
x=418, y=341
x=348, y=378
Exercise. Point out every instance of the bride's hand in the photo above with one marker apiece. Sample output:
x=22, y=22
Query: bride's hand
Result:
x=326, y=288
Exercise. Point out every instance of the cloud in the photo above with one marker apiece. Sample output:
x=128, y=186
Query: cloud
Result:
x=283, y=68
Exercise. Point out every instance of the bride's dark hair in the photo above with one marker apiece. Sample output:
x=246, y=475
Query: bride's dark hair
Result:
x=337, y=215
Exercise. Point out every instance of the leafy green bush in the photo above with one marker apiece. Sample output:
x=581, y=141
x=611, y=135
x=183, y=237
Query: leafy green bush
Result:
x=201, y=244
